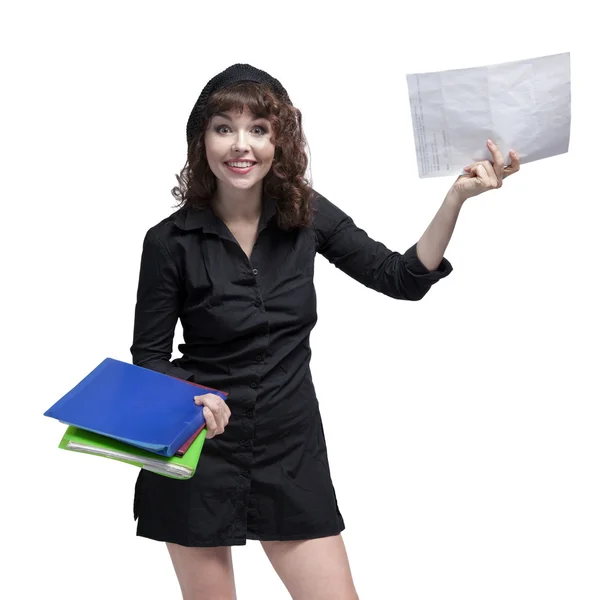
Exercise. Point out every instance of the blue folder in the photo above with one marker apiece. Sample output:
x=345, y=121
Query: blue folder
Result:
x=135, y=405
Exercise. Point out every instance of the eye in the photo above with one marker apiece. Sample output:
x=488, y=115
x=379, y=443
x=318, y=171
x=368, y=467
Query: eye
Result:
x=261, y=130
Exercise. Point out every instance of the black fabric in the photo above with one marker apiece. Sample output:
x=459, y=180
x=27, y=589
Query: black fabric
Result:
x=233, y=74
x=246, y=327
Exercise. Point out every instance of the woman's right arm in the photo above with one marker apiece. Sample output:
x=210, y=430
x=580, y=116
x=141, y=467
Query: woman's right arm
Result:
x=157, y=309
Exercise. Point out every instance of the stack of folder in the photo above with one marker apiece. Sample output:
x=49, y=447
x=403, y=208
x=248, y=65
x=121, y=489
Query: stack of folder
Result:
x=137, y=416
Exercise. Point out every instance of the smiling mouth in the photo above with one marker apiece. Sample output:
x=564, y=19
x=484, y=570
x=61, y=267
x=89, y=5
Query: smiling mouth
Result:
x=240, y=170
x=240, y=164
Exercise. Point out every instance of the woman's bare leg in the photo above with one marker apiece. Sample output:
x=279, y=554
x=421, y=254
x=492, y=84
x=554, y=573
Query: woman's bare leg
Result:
x=204, y=573
x=313, y=569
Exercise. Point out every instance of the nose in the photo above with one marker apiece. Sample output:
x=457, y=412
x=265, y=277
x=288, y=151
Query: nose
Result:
x=240, y=144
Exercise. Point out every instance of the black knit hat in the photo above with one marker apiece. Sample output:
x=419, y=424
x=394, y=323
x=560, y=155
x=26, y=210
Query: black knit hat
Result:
x=233, y=74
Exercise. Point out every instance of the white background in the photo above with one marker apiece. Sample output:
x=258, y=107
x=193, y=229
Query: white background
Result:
x=462, y=429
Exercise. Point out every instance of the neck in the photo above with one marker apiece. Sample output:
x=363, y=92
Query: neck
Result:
x=238, y=205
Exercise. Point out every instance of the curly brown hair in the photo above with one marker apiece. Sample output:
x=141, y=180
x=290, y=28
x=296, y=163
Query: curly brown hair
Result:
x=285, y=181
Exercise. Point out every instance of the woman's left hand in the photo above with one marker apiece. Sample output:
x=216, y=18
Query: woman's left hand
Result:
x=483, y=175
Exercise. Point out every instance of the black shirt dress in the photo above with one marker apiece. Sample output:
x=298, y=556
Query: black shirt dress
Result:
x=246, y=327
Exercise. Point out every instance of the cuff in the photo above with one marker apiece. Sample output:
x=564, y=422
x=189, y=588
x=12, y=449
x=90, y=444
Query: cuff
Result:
x=417, y=269
x=166, y=367
x=180, y=373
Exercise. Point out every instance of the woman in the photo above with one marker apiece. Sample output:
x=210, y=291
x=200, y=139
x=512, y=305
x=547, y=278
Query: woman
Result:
x=235, y=264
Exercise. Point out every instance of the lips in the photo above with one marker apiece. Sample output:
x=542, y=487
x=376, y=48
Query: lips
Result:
x=239, y=170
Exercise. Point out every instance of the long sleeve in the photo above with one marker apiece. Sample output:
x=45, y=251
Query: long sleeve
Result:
x=350, y=249
x=157, y=309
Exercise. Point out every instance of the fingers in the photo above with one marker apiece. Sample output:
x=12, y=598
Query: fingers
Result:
x=500, y=171
x=489, y=176
x=211, y=423
x=498, y=162
x=515, y=164
x=484, y=175
x=216, y=413
x=484, y=171
x=487, y=173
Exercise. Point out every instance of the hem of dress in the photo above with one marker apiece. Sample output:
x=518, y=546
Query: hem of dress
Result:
x=273, y=537
x=193, y=543
x=261, y=537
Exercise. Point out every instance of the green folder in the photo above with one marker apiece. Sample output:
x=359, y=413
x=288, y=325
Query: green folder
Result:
x=176, y=467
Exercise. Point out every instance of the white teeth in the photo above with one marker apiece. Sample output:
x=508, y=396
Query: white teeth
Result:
x=241, y=165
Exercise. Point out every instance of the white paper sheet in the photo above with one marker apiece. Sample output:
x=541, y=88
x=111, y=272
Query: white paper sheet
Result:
x=522, y=105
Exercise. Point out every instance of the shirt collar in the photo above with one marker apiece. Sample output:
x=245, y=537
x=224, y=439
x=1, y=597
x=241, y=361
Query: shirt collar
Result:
x=190, y=218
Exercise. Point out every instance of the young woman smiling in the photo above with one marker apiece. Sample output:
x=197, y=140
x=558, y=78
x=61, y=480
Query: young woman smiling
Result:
x=235, y=265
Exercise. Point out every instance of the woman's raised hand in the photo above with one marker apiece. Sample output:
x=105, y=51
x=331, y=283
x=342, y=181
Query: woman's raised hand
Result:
x=484, y=175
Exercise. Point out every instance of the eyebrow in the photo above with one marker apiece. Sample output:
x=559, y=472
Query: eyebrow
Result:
x=226, y=116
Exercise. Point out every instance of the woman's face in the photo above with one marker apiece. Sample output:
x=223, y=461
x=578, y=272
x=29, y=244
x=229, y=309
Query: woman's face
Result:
x=231, y=139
